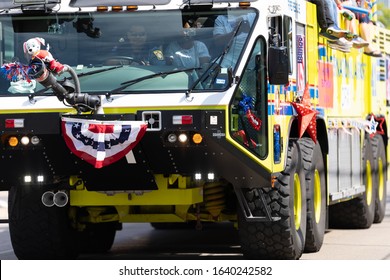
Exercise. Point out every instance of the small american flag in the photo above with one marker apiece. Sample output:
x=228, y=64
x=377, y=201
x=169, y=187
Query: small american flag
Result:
x=101, y=143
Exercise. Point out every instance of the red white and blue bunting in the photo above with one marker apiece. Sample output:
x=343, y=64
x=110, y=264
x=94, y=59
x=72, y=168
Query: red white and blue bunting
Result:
x=101, y=143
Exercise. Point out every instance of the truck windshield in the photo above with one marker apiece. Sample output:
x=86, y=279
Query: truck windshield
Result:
x=151, y=47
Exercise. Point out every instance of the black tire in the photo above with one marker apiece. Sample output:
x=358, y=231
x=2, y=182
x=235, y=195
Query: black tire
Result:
x=359, y=212
x=380, y=161
x=285, y=238
x=97, y=238
x=313, y=163
x=36, y=231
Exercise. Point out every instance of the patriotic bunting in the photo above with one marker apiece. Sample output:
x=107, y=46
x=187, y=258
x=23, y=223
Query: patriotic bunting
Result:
x=101, y=143
x=246, y=104
x=15, y=71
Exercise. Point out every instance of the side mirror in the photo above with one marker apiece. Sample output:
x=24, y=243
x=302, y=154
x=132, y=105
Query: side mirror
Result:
x=278, y=65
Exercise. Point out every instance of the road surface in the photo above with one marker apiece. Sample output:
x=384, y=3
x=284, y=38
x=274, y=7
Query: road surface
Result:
x=220, y=241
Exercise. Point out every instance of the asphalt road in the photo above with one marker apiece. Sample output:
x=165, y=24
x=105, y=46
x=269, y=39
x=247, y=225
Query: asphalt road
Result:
x=220, y=241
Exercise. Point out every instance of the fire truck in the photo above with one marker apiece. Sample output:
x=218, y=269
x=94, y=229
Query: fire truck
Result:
x=225, y=112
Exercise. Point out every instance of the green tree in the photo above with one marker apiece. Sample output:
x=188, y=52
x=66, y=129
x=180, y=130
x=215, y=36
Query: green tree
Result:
x=384, y=15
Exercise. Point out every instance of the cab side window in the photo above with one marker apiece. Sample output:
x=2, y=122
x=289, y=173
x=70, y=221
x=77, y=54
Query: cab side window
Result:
x=249, y=108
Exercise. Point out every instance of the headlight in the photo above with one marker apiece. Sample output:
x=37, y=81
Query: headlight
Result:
x=183, y=138
x=25, y=140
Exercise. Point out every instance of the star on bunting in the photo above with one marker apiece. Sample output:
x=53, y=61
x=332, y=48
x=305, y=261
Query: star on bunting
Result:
x=379, y=128
x=371, y=126
x=375, y=125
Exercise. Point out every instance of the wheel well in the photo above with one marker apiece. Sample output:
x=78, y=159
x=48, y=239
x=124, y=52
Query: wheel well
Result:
x=322, y=135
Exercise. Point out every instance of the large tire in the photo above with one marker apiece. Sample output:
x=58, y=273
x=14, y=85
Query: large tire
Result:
x=380, y=161
x=313, y=163
x=285, y=238
x=359, y=212
x=97, y=238
x=39, y=232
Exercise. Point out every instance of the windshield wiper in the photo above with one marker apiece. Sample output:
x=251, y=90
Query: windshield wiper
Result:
x=216, y=62
x=82, y=74
x=143, y=78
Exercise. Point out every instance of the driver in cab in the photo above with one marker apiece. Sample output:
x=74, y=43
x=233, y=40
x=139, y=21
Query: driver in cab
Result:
x=136, y=50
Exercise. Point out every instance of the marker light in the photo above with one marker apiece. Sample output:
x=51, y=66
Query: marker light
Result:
x=117, y=8
x=198, y=176
x=277, y=144
x=183, y=138
x=132, y=8
x=14, y=123
x=13, y=141
x=172, y=138
x=25, y=140
x=182, y=119
x=102, y=8
x=197, y=138
x=244, y=4
x=210, y=176
x=35, y=140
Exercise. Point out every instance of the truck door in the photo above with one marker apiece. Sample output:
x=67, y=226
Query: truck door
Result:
x=249, y=105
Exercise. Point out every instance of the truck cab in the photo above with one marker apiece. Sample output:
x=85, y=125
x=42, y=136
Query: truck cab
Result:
x=177, y=112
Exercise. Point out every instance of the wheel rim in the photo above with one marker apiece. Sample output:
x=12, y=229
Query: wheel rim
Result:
x=381, y=179
x=368, y=183
x=317, y=196
x=297, y=201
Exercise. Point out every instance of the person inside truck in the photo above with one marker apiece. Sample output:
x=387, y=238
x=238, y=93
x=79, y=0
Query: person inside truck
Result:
x=187, y=52
x=224, y=28
x=137, y=48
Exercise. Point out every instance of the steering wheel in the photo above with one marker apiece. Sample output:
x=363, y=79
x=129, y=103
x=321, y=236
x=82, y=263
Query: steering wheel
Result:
x=122, y=60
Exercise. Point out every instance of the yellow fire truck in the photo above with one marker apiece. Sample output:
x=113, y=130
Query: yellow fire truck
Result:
x=176, y=113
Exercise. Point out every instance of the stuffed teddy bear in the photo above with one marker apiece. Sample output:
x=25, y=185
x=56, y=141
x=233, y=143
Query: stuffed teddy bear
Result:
x=32, y=47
